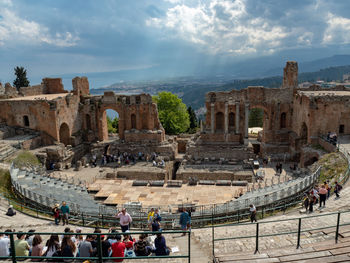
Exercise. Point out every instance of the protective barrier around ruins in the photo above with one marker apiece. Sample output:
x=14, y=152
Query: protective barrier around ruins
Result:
x=278, y=196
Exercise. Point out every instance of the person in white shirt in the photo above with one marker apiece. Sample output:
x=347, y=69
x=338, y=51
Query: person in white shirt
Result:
x=125, y=219
x=4, y=246
x=252, y=211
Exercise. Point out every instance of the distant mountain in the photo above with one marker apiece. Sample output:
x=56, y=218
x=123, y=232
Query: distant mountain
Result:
x=192, y=90
x=315, y=65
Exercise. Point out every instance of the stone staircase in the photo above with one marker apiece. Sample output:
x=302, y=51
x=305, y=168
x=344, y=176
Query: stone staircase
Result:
x=6, y=151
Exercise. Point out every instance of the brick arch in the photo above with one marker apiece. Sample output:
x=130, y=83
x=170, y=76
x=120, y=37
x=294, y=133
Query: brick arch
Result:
x=102, y=121
x=64, y=134
x=267, y=122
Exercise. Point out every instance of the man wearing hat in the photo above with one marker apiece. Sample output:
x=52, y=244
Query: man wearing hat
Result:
x=10, y=211
x=56, y=214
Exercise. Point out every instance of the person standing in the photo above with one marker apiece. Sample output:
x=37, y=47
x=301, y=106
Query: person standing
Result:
x=65, y=213
x=125, y=219
x=252, y=210
x=323, y=195
x=150, y=217
x=337, y=189
x=306, y=202
x=328, y=187
x=184, y=219
x=312, y=201
x=56, y=214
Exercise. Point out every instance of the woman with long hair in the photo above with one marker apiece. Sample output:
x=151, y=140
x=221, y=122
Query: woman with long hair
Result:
x=68, y=247
x=37, y=250
x=53, y=245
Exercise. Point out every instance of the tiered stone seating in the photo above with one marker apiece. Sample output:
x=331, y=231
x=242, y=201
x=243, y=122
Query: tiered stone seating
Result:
x=326, y=251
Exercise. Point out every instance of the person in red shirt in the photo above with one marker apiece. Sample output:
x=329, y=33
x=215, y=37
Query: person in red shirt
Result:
x=118, y=249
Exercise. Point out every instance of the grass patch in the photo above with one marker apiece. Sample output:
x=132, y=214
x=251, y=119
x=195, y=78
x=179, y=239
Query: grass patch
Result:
x=24, y=158
x=333, y=166
x=5, y=181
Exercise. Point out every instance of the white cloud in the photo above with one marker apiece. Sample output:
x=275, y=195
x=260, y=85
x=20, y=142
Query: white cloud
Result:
x=221, y=27
x=338, y=30
x=15, y=29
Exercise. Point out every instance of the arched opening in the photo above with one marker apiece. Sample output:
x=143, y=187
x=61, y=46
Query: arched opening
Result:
x=26, y=120
x=112, y=120
x=257, y=122
x=88, y=122
x=303, y=134
x=219, y=122
x=231, y=120
x=133, y=121
x=64, y=134
x=283, y=120
x=310, y=161
x=145, y=121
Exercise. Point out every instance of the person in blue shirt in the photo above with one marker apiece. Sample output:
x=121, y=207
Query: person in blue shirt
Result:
x=65, y=213
x=184, y=220
x=160, y=244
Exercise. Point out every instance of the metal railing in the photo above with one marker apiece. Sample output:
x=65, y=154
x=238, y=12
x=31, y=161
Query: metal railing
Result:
x=99, y=256
x=258, y=235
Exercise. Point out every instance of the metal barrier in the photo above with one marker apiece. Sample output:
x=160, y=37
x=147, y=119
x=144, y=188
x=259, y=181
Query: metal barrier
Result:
x=258, y=235
x=99, y=257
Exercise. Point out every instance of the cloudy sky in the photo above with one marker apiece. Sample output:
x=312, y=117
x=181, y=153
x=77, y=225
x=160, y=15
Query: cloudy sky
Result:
x=59, y=37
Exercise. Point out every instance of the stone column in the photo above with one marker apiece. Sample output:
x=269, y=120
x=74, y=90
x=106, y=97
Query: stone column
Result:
x=212, y=115
x=226, y=117
x=237, y=117
x=246, y=120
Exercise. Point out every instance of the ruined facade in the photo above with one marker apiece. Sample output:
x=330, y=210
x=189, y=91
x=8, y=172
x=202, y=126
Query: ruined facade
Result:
x=293, y=118
x=76, y=117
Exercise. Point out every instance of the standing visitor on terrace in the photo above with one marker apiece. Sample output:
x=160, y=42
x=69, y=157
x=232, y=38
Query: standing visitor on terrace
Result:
x=184, y=220
x=65, y=213
x=252, y=210
x=125, y=219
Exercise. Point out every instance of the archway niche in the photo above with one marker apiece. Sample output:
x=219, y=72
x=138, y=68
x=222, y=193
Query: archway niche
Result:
x=283, y=120
x=88, y=121
x=26, y=120
x=64, y=134
x=133, y=121
x=303, y=134
x=219, y=122
x=145, y=121
x=231, y=120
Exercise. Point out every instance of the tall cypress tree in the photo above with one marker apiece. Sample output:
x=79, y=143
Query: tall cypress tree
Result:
x=193, y=119
x=21, y=78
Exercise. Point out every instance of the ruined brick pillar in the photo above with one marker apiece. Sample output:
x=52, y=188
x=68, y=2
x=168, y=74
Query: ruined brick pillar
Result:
x=237, y=117
x=226, y=117
x=246, y=120
x=290, y=75
x=212, y=115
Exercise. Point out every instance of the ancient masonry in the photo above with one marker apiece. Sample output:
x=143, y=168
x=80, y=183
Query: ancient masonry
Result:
x=294, y=118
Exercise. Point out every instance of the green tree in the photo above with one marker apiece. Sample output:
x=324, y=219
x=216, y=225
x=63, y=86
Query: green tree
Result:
x=193, y=120
x=256, y=116
x=110, y=127
x=21, y=78
x=115, y=124
x=172, y=112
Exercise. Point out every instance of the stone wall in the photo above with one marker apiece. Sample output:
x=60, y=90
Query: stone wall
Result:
x=53, y=86
x=32, y=90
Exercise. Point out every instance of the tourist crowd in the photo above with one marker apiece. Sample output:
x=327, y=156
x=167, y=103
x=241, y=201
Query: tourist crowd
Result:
x=124, y=158
x=73, y=244
x=319, y=195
